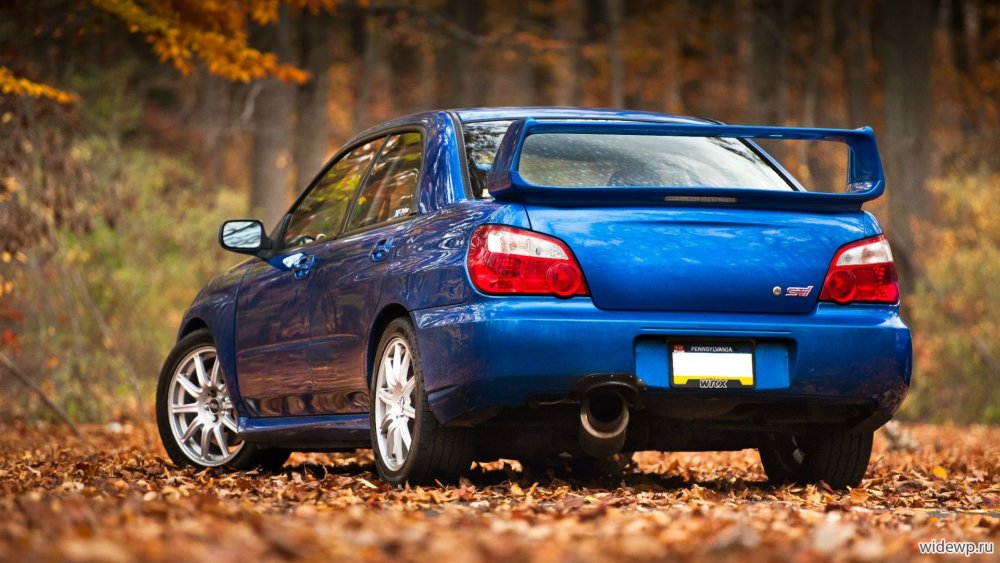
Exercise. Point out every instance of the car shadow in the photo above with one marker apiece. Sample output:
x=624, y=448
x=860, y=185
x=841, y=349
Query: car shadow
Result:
x=497, y=474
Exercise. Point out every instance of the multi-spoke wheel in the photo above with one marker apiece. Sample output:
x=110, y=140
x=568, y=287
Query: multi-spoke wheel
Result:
x=201, y=412
x=195, y=413
x=394, y=412
x=410, y=445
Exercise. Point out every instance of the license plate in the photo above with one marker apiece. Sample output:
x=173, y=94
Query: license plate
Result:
x=712, y=365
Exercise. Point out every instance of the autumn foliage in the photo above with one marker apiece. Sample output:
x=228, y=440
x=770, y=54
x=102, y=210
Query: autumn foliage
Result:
x=213, y=32
x=129, y=129
x=115, y=497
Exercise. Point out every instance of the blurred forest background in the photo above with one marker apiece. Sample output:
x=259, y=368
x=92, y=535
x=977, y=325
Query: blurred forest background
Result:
x=129, y=129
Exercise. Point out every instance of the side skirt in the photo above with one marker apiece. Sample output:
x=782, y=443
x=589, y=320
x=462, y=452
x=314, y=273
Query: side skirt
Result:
x=321, y=433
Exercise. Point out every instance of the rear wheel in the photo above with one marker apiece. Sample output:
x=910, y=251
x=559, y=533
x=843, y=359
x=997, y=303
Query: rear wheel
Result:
x=410, y=445
x=837, y=458
x=195, y=414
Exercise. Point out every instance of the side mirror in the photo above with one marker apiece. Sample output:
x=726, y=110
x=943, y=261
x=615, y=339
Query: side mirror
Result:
x=245, y=236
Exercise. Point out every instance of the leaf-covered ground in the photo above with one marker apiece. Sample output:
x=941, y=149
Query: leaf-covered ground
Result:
x=116, y=498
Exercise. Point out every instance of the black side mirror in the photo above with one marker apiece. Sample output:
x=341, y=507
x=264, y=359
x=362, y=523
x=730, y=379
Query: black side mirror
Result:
x=245, y=236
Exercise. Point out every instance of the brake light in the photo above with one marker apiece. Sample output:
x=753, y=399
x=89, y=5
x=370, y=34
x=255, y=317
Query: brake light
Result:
x=862, y=272
x=509, y=260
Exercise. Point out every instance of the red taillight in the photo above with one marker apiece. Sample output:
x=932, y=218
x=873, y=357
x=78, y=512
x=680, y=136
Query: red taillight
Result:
x=862, y=272
x=509, y=260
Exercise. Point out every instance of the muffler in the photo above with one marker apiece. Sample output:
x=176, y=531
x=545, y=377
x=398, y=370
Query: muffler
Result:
x=603, y=421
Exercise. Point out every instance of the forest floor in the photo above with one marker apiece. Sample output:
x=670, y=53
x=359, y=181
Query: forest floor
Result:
x=115, y=497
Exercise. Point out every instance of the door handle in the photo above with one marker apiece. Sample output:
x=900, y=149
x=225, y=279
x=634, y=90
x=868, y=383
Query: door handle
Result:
x=302, y=266
x=380, y=250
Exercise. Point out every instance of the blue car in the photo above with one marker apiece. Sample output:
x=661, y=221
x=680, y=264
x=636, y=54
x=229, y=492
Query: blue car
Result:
x=550, y=284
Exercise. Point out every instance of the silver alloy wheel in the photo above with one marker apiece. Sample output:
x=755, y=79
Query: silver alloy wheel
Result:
x=394, y=411
x=200, y=410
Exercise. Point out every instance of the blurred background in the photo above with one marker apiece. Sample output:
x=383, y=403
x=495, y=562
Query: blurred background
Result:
x=129, y=129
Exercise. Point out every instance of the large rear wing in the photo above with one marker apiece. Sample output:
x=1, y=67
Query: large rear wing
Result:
x=865, y=178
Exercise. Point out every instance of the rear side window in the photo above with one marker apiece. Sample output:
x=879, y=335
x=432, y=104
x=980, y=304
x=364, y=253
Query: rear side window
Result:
x=580, y=160
x=481, y=143
x=390, y=191
x=322, y=211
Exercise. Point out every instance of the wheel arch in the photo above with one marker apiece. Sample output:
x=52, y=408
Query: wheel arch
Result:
x=386, y=315
x=192, y=324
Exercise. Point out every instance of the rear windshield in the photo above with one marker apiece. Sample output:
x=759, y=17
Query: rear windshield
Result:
x=595, y=160
x=581, y=160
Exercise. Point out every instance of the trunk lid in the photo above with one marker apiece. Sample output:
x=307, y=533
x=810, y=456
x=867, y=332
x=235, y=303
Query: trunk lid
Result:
x=700, y=259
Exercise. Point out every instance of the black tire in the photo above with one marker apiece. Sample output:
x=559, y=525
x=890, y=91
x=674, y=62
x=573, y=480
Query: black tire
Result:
x=250, y=456
x=837, y=458
x=436, y=452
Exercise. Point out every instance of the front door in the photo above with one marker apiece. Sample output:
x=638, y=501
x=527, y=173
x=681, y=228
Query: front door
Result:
x=272, y=332
x=273, y=309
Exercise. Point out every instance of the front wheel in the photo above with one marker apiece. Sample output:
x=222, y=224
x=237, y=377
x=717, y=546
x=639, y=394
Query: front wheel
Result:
x=410, y=445
x=195, y=414
x=837, y=458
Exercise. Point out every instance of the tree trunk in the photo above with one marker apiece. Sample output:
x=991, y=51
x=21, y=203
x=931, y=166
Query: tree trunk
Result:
x=906, y=58
x=769, y=70
x=972, y=30
x=566, y=70
x=744, y=57
x=614, y=10
x=313, y=136
x=425, y=94
x=672, y=69
x=466, y=75
x=822, y=46
x=513, y=71
x=856, y=33
x=212, y=112
x=375, y=94
x=270, y=158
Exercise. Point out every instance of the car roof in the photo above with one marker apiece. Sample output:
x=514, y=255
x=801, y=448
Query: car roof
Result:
x=472, y=115
x=469, y=115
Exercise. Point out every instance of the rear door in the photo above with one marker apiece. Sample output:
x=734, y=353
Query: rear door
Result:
x=274, y=308
x=347, y=282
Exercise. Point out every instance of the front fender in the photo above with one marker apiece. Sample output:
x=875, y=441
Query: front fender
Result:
x=215, y=308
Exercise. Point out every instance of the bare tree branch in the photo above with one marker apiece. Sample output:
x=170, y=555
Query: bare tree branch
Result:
x=6, y=362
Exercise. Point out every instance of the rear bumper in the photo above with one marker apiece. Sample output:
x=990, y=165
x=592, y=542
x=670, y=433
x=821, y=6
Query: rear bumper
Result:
x=505, y=352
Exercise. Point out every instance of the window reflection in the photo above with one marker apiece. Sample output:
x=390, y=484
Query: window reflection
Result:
x=595, y=160
x=391, y=188
x=242, y=234
x=321, y=213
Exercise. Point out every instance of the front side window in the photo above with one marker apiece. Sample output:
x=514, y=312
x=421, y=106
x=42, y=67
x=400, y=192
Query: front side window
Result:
x=322, y=211
x=391, y=189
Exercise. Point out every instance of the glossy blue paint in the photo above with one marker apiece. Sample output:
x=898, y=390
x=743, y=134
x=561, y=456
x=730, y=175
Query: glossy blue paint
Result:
x=344, y=296
x=323, y=432
x=697, y=258
x=504, y=351
x=272, y=334
x=294, y=351
x=215, y=308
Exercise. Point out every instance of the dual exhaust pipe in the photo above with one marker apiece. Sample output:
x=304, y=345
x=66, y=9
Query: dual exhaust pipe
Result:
x=603, y=421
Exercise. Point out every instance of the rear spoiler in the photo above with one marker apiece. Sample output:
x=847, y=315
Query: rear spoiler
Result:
x=865, y=178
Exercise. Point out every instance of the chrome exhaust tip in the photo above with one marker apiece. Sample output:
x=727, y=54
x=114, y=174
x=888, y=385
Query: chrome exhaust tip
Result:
x=603, y=421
